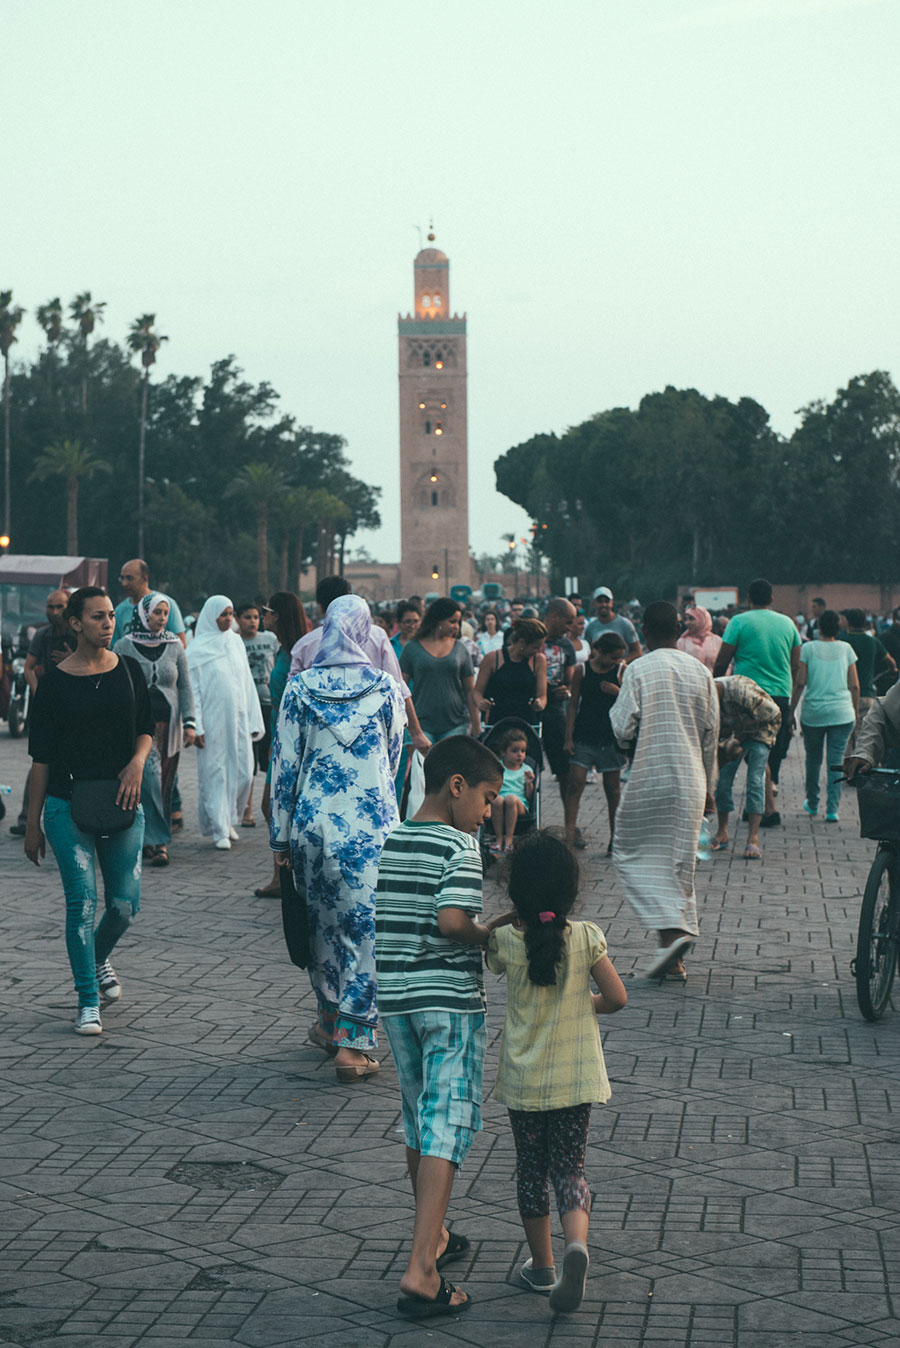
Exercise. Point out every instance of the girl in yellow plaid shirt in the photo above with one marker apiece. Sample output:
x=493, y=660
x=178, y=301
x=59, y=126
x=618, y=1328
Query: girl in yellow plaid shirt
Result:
x=551, y=1061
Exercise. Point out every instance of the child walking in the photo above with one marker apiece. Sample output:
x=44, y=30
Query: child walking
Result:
x=516, y=791
x=589, y=735
x=551, y=1062
x=428, y=947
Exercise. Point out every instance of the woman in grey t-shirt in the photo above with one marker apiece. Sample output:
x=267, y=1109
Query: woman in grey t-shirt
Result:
x=438, y=668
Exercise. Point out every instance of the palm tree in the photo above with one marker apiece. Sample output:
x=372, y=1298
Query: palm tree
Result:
x=86, y=312
x=262, y=486
x=50, y=316
x=70, y=460
x=142, y=339
x=10, y=318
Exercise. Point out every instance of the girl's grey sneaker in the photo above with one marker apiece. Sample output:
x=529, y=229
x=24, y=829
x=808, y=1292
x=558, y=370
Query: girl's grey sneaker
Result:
x=568, y=1292
x=108, y=982
x=538, y=1279
x=88, y=1020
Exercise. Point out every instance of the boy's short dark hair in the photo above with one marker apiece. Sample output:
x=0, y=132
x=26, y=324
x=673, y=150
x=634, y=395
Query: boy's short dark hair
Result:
x=245, y=607
x=855, y=617
x=460, y=754
x=330, y=588
x=759, y=593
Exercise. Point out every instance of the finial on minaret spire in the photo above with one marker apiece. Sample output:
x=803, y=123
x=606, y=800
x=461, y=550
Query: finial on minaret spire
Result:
x=431, y=231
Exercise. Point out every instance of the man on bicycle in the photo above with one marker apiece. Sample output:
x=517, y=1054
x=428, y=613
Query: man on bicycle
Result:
x=878, y=735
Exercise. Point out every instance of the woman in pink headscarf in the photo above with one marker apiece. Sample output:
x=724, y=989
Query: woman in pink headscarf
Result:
x=698, y=638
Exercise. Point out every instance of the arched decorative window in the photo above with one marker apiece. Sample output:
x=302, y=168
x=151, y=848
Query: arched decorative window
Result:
x=426, y=301
x=436, y=301
x=426, y=357
x=434, y=498
x=427, y=427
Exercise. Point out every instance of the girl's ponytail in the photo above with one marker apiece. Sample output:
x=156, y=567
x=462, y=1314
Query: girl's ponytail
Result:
x=543, y=885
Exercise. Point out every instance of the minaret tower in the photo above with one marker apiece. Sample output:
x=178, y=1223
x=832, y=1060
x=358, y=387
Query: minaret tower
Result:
x=434, y=498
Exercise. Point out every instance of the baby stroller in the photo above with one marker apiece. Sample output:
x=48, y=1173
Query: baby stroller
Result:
x=534, y=759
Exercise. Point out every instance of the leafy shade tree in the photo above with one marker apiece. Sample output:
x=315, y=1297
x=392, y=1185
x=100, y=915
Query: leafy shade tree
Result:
x=10, y=318
x=73, y=463
x=260, y=485
x=86, y=313
x=143, y=341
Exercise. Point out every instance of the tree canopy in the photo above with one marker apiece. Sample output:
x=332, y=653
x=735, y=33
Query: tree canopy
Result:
x=203, y=438
x=697, y=490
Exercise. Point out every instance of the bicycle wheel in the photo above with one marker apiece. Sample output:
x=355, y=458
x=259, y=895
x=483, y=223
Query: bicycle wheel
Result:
x=878, y=938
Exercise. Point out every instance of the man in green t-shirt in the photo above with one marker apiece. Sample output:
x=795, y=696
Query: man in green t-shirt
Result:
x=871, y=657
x=765, y=647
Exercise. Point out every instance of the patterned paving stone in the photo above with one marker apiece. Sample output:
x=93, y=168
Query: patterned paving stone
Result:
x=196, y=1175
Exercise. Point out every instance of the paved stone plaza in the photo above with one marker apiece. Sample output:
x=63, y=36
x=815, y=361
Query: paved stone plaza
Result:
x=196, y=1174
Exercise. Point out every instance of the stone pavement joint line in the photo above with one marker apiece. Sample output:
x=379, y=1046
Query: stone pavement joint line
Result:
x=195, y=1174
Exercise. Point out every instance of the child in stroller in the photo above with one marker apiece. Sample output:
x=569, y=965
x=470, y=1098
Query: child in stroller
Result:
x=517, y=809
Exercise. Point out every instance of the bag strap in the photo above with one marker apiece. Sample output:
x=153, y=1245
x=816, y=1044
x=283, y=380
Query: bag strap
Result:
x=123, y=661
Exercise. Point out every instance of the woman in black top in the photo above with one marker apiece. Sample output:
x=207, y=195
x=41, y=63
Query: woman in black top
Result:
x=90, y=721
x=513, y=682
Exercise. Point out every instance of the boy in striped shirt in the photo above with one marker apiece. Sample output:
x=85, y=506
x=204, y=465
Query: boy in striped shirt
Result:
x=428, y=947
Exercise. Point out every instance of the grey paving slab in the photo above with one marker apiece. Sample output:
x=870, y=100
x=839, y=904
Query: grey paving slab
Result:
x=197, y=1174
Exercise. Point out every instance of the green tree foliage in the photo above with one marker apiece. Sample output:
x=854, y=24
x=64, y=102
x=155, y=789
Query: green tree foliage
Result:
x=73, y=463
x=201, y=435
x=702, y=490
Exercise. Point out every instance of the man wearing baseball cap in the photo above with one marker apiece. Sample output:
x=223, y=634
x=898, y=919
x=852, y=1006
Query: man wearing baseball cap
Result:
x=607, y=620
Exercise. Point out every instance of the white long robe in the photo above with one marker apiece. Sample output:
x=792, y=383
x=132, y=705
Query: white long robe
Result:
x=667, y=703
x=228, y=716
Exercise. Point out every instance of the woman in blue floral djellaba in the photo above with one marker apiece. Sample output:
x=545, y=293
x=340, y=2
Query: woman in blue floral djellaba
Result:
x=336, y=748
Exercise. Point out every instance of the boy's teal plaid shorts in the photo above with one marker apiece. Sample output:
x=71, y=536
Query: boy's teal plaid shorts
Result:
x=439, y=1056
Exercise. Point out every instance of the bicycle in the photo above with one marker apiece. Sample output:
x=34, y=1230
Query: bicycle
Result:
x=878, y=937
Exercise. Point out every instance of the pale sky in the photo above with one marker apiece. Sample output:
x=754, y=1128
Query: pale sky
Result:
x=632, y=193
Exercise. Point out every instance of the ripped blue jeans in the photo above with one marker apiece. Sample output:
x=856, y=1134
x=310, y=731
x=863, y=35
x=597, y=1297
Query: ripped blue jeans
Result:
x=77, y=854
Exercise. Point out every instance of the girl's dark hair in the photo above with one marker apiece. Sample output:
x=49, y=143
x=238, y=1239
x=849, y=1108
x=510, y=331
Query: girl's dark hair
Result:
x=829, y=623
x=290, y=618
x=438, y=611
x=543, y=877
x=490, y=613
x=78, y=599
x=608, y=642
x=510, y=736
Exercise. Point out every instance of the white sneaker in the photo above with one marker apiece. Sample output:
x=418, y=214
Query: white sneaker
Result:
x=108, y=982
x=234, y=835
x=223, y=844
x=88, y=1020
x=567, y=1292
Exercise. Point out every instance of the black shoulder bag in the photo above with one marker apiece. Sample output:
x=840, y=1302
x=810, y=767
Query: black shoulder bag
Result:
x=93, y=802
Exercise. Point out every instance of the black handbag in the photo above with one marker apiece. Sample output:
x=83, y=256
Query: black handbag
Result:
x=93, y=801
x=294, y=918
x=94, y=808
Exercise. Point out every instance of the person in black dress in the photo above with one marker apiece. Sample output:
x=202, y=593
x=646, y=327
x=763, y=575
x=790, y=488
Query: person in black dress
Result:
x=513, y=681
x=90, y=721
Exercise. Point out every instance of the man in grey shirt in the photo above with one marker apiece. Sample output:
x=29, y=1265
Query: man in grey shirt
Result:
x=606, y=620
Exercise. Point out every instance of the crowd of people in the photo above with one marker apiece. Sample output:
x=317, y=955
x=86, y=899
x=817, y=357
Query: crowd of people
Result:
x=339, y=720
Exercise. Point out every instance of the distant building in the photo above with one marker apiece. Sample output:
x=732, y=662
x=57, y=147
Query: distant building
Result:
x=434, y=494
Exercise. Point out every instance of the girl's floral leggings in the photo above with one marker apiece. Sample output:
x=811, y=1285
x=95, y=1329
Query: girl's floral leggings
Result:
x=550, y=1146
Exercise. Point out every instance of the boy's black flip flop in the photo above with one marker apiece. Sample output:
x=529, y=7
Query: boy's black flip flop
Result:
x=416, y=1307
x=455, y=1248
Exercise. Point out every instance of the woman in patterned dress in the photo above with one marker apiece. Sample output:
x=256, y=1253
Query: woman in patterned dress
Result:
x=337, y=745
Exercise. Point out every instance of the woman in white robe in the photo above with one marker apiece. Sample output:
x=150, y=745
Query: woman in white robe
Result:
x=228, y=719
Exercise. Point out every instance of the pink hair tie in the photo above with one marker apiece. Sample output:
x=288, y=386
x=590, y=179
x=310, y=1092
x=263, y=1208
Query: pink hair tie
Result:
x=546, y=917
